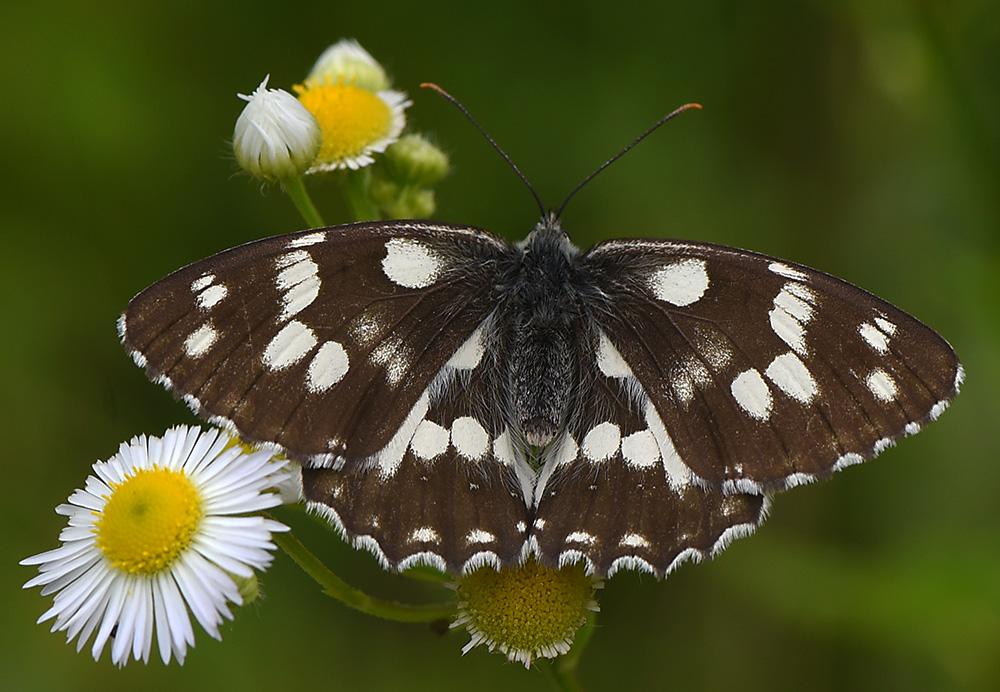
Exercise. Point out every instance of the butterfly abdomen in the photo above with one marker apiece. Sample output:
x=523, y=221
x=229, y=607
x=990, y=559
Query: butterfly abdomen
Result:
x=543, y=320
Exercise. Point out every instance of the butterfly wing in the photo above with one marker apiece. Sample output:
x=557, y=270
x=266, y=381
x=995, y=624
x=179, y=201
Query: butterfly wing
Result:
x=614, y=493
x=320, y=342
x=457, y=498
x=766, y=374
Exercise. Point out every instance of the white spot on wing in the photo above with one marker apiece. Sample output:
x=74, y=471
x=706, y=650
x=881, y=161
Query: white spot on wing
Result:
x=874, y=336
x=289, y=346
x=689, y=376
x=503, y=450
x=299, y=297
x=429, y=440
x=792, y=377
x=681, y=283
x=307, y=240
x=390, y=457
x=581, y=537
x=394, y=358
x=469, y=354
x=609, y=360
x=290, y=258
x=367, y=327
x=202, y=282
x=788, y=329
x=602, y=441
x=713, y=346
x=296, y=272
x=299, y=281
x=882, y=385
x=633, y=540
x=469, y=437
x=211, y=296
x=200, y=340
x=676, y=471
x=789, y=299
x=410, y=263
x=786, y=271
x=425, y=534
x=789, y=316
x=568, y=451
x=480, y=536
x=752, y=394
x=327, y=367
x=886, y=326
x=640, y=449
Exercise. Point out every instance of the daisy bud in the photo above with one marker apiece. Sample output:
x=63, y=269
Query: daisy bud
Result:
x=346, y=61
x=415, y=161
x=276, y=137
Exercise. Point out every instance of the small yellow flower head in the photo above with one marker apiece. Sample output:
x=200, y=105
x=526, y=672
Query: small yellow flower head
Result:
x=527, y=611
x=415, y=161
x=347, y=92
x=275, y=138
x=348, y=62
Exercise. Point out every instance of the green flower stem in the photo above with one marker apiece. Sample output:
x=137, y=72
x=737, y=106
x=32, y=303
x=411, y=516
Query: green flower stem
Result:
x=296, y=189
x=356, y=184
x=563, y=680
x=337, y=588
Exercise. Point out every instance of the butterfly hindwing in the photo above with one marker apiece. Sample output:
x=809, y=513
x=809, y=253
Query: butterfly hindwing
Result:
x=767, y=374
x=319, y=342
x=454, y=496
x=617, y=495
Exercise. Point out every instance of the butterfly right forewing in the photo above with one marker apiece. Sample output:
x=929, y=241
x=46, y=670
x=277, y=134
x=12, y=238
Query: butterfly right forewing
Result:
x=767, y=374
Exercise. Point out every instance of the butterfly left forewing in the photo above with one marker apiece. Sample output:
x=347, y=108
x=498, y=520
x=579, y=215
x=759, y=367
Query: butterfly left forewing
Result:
x=766, y=374
x=320, y=342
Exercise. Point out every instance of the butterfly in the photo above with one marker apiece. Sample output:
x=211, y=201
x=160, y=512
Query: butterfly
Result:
x=459, y=400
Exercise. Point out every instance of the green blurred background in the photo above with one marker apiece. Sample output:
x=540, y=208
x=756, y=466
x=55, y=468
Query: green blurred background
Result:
x=857, y=137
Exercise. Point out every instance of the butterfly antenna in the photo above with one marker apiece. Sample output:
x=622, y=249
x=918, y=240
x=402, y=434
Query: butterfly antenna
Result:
x=445, y=94
x=647, y=133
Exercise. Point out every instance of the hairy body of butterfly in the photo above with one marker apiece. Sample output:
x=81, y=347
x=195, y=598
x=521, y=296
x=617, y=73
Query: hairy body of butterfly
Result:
x=458, y=400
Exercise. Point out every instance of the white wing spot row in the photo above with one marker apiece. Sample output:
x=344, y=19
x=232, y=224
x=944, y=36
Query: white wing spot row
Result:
x=787, y=372
x=209, y=293
x=298, y=280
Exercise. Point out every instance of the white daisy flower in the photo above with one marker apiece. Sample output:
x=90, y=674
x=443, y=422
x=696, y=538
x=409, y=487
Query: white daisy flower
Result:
x=275, y=137
x=359, y=116
x=160, y=530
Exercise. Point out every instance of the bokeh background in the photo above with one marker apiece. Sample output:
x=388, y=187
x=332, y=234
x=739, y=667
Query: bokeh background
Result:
x=856, y=137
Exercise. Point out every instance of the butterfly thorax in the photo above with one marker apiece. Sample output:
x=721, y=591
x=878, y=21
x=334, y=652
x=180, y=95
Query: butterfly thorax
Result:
x=543, y=319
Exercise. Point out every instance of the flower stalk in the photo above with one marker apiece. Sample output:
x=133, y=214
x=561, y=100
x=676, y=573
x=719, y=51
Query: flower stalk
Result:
x=337, y=588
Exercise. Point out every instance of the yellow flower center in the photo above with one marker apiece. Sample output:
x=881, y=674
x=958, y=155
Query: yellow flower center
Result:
x=531, y=609
x=351, y=118
x=148, y=520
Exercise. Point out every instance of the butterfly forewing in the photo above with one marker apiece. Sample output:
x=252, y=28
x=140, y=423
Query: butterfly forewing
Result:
x=767, y=374
x=320, y=342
